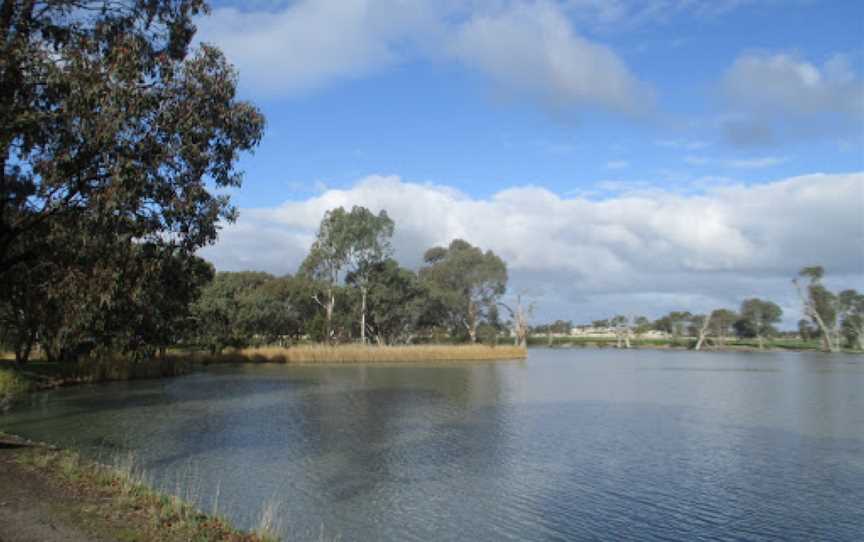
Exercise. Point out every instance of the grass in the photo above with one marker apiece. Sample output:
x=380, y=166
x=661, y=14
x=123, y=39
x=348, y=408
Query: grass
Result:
x=309, y=354
x=12, y=387
x=115, y=501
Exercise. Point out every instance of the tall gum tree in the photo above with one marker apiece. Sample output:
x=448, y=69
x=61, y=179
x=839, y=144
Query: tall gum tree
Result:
x=467, y=280
x=113, y=135
x=820, y=305
x=348, y=242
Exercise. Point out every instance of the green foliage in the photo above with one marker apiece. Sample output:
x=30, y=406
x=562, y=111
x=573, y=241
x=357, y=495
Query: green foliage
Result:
x=675, y=323
x=347, y=242
x=396, y=301
x=112, y=135
x=757, y=319
x=465, y=282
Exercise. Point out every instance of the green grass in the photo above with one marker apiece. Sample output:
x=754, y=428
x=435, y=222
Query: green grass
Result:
x=115, y=501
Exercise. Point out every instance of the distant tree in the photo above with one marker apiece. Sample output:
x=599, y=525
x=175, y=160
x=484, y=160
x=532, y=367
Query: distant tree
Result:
x=851, y=304
x=700, y=326
x=757, y=319
x=396, y=301
x=641, y=326
x=268, y=311
x=820, y=305
x=806, y=330
x=348, y=242
x=466, y=281
x=721, y=324
x=675, y=323
x=622, y=326
x=520, y=316
x=222, y=314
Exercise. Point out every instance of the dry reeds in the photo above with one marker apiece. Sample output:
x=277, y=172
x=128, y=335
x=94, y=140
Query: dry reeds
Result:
x=368, y=354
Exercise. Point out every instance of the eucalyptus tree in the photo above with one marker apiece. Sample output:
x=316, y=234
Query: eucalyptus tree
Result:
x=820, y=305
x=222, y=315
x=757, y=319
x=700, y=326
x=113, y=134
x=623, y=328
x=348, y=242
x=852, y=308
x=396, y=301
x=721, y=322
x=675, y=323
x=467, y=281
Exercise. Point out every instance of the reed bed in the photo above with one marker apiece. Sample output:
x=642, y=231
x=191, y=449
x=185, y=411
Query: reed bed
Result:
x=309, y=354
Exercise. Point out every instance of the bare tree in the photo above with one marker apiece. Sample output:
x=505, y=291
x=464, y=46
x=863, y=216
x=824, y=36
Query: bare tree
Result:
x=702, y=325
x=520, y=316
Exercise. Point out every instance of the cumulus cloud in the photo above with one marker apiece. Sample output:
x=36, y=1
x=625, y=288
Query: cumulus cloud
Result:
x=647, y=251
x=770, y=94
x=532, y=49
x=526, y=47
x=311, y=43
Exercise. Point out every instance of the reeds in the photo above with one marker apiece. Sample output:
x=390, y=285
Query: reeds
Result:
x=309, y=354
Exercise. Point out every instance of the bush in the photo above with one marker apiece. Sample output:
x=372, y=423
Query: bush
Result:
x=12, y=388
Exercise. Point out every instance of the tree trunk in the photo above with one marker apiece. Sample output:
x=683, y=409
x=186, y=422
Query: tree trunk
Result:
x=363, y=315
x=759, y=341
x=471, y=323
x=810, y=310
x=331, y=304
x=627, y=340
x=702, y=332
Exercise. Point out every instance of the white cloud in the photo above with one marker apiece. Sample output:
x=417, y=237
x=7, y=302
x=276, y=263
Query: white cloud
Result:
x=531, y=48
x=782, y=96
x=525, y=47
x=311, y=43
x=577, y=254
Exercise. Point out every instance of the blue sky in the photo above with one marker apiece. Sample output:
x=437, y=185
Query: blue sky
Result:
x=581, y=103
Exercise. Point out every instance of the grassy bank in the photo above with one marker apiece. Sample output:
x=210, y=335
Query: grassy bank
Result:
x=109, y=502
x=365, y=354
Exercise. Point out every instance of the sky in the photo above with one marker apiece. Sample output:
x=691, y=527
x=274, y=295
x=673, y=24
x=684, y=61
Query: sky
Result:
x=622, y=156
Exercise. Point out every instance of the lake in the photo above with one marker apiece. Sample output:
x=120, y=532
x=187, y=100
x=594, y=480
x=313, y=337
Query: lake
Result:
x=572, y=444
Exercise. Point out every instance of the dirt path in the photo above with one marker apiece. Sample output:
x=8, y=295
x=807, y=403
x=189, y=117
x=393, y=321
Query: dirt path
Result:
x=34, y=507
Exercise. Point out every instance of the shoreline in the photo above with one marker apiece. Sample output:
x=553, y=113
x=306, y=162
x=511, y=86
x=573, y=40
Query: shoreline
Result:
x=53, y=494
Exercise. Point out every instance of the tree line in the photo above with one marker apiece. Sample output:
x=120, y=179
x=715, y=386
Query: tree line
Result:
x=350, y=289
x=836, y=319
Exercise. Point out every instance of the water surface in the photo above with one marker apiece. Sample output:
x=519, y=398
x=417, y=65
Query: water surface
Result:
x=568, y=445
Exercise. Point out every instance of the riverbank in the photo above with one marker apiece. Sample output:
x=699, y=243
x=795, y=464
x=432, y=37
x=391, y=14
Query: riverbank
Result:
x=684, y=343
x=53, y=495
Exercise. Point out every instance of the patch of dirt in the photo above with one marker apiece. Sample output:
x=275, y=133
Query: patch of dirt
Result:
x=33, y=506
